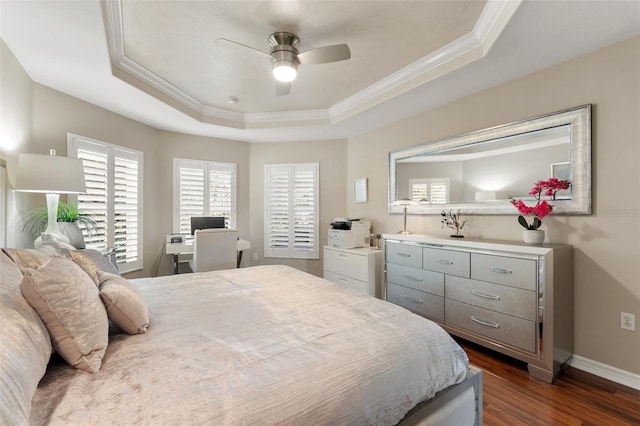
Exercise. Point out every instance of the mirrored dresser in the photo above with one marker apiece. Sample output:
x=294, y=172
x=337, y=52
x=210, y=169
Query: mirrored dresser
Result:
x=513, y=298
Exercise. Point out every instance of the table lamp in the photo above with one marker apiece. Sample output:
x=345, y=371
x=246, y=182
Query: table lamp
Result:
x=404, y=202
x=52, y=175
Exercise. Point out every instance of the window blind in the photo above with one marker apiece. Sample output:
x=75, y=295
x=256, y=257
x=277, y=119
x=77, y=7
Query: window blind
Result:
x=113, y=199
x=434, y=190
x=203, y=188
x=291, y=207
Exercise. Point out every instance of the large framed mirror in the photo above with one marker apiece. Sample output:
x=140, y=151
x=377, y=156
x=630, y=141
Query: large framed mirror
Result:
x=480, y=172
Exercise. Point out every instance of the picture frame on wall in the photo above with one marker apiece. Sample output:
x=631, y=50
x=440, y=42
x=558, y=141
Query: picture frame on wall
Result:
x=360, y=190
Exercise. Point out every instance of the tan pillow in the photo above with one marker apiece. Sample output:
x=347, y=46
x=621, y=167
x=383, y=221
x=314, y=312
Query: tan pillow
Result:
x=92, y=261
x=124, y=303
x=26, y=258
x=70, y=307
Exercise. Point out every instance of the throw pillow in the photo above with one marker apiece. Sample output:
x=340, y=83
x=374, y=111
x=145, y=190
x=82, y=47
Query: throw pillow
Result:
x=124, y=302
x=69, y=305
x=92, y=261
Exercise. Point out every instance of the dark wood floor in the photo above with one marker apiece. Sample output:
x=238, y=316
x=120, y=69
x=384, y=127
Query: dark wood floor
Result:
x=512, y=398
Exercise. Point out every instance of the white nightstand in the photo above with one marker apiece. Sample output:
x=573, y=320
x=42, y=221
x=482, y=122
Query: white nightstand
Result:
x=357, y=268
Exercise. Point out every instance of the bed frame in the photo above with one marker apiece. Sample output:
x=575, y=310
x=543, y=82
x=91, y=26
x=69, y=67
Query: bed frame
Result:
x=460, y=404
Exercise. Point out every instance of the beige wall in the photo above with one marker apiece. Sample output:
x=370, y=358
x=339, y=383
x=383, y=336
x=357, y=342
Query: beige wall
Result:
x=607, y=243
x=331, y=156
x=15, y=129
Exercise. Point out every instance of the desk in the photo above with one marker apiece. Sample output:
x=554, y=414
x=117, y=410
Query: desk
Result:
x=176, y=249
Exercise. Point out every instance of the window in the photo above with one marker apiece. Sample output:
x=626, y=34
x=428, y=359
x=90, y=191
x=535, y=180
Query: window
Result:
x=114, y=198
x=291, y=211
x=434, y=190
x=203, y=188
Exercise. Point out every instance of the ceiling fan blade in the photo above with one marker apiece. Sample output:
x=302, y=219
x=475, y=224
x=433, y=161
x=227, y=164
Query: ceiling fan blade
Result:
x=235, y=44
x=282, y=89
x=323, y=55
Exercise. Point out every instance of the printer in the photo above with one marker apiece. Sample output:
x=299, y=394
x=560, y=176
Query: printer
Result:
x=349, y=233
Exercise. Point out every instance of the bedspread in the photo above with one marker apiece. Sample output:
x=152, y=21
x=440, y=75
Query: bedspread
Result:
x=260, y=345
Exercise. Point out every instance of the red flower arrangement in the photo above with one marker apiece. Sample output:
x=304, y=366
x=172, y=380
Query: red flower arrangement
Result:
x=548, y=188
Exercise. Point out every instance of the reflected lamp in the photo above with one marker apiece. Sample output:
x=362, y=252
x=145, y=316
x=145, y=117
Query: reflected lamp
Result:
x=52, y=175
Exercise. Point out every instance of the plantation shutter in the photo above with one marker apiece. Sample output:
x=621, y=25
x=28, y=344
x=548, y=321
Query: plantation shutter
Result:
x=439, y=191
x=191, y=193
x=203, y=188
x=222, y=191
x=113, y=199
x=291, y=207
x=126, y=207
x=434, y=190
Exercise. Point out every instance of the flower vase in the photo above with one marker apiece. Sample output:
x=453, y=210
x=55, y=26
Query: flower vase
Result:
x=72, y=231
x=533, y=236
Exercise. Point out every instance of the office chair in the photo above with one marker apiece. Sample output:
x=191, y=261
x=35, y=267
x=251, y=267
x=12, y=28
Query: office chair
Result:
x=214, y=249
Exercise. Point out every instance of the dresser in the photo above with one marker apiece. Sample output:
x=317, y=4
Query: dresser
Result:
x=358, y=268
x=513, y=298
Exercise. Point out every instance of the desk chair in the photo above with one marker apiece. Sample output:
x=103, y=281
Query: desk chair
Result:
x=214, y=249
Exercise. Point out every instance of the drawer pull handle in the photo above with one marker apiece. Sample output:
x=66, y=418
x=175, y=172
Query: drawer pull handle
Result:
x=411, y=299
x=410, y=278
x=344, y=280
x=484, y=295
x=404, y=255
x=488, y=324
x=444, y=261
x=343, y=255
x=500, y=270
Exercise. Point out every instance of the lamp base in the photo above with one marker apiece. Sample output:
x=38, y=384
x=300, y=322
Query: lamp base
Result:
x=405, y=232
x=52, y=222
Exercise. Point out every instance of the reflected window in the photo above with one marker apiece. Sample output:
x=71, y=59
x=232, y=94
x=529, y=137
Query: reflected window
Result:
x=432, y=190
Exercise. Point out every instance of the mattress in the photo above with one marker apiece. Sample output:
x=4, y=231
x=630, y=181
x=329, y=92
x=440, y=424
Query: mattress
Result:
x=260, y=345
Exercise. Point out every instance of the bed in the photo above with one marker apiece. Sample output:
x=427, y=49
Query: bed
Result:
x=261, y=345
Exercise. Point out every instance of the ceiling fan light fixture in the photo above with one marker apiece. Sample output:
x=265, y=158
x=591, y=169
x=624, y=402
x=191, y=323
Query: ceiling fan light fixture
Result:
x=285, y=71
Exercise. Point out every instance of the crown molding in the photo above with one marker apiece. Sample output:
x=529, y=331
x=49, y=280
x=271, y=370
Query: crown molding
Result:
x=466, y=49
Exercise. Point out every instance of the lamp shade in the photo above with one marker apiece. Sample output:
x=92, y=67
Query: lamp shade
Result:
x=485, y=195
x=50, y=174
x=404, y=202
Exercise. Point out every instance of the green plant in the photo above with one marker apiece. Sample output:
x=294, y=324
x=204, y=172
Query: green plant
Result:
x=34, y=221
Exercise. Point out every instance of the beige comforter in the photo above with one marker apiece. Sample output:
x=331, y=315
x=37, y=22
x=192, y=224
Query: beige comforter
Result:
x=257, y=346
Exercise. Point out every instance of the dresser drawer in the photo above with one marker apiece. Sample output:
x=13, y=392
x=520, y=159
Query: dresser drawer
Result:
x=348, y=264
x=404, y=254
x=507, y=300
x=418, y=279
x=503, y=328
x=420, y=302
x=446, y=261
x=509, y=271
x=357, y=285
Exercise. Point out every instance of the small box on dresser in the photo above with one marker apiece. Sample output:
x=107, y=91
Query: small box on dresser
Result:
x=356, y=268
x=513, y=298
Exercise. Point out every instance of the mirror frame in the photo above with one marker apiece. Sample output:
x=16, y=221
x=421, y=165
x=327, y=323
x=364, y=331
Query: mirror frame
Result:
x=579, y=120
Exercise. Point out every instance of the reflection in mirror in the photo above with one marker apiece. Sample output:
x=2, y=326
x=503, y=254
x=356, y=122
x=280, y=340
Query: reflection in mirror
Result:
x=485, y=171
x=479, y=172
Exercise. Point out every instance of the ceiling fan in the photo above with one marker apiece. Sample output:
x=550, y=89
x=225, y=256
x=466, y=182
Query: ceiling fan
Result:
x=285, y=57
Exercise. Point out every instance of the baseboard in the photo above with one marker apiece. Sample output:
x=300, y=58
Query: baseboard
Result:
x=605, y=371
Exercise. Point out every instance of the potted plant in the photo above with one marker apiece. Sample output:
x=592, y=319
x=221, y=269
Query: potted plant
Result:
x=34, y=222
x=453, y=221
x=548, y=188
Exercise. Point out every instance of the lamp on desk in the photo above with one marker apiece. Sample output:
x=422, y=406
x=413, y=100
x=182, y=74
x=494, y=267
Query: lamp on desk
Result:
x=405, y=203
x=52, y=175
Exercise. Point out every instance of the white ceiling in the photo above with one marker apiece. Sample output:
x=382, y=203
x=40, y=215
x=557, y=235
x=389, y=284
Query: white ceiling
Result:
x=157, y=61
